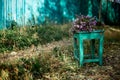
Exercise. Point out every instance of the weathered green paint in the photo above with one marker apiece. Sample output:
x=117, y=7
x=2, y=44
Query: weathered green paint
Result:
x=78, y=46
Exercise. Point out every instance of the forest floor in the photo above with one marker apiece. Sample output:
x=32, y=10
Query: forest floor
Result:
x=58, y=56
x=62, y=64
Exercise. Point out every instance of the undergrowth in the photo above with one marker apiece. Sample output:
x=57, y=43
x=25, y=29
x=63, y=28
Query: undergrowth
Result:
x=39, y=67
x=22, y=38
x=59, y=64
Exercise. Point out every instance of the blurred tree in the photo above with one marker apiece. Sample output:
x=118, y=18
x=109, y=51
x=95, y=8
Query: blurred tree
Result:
x=100, y=8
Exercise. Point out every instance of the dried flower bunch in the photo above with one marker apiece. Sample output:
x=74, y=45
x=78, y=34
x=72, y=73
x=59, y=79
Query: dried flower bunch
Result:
x=84, y=23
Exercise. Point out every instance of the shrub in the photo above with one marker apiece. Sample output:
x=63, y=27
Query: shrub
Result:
x=47, y=34
x=24, y=37
x=33, y=68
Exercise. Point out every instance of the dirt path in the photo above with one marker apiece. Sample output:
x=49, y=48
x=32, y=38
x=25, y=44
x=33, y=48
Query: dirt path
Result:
x=110, y=33
x=67, y=70
x=33, y=51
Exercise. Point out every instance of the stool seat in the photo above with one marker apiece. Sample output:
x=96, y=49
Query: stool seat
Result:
x=78, y=39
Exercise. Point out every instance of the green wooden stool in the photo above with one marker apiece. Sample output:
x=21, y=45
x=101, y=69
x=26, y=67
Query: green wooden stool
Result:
x=78, y=46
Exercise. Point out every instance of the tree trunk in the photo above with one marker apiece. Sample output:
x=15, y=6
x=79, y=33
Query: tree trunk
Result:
x=100, y=8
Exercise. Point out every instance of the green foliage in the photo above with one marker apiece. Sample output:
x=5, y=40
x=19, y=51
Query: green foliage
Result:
x=51, y=33
x=14, y=40
x=21, y=71
x=35, y=65
x=21, y=38
x=48, y=34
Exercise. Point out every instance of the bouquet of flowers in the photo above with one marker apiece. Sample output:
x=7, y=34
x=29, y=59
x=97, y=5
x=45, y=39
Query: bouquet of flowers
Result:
x=84, y=23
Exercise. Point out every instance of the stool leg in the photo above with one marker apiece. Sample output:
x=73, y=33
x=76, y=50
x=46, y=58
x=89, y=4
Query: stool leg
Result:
x=100, y=50
x=93, y=48
x=75, y=47
x=81, y=56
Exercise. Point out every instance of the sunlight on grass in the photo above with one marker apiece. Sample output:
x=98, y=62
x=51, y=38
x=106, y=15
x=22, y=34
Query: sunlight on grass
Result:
x=54, y=60
x=23, y=37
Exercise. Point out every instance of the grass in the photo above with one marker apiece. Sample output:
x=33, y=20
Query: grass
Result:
x=58, y=63
x=39, y=67
x=22, y=38
x=25, y=69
